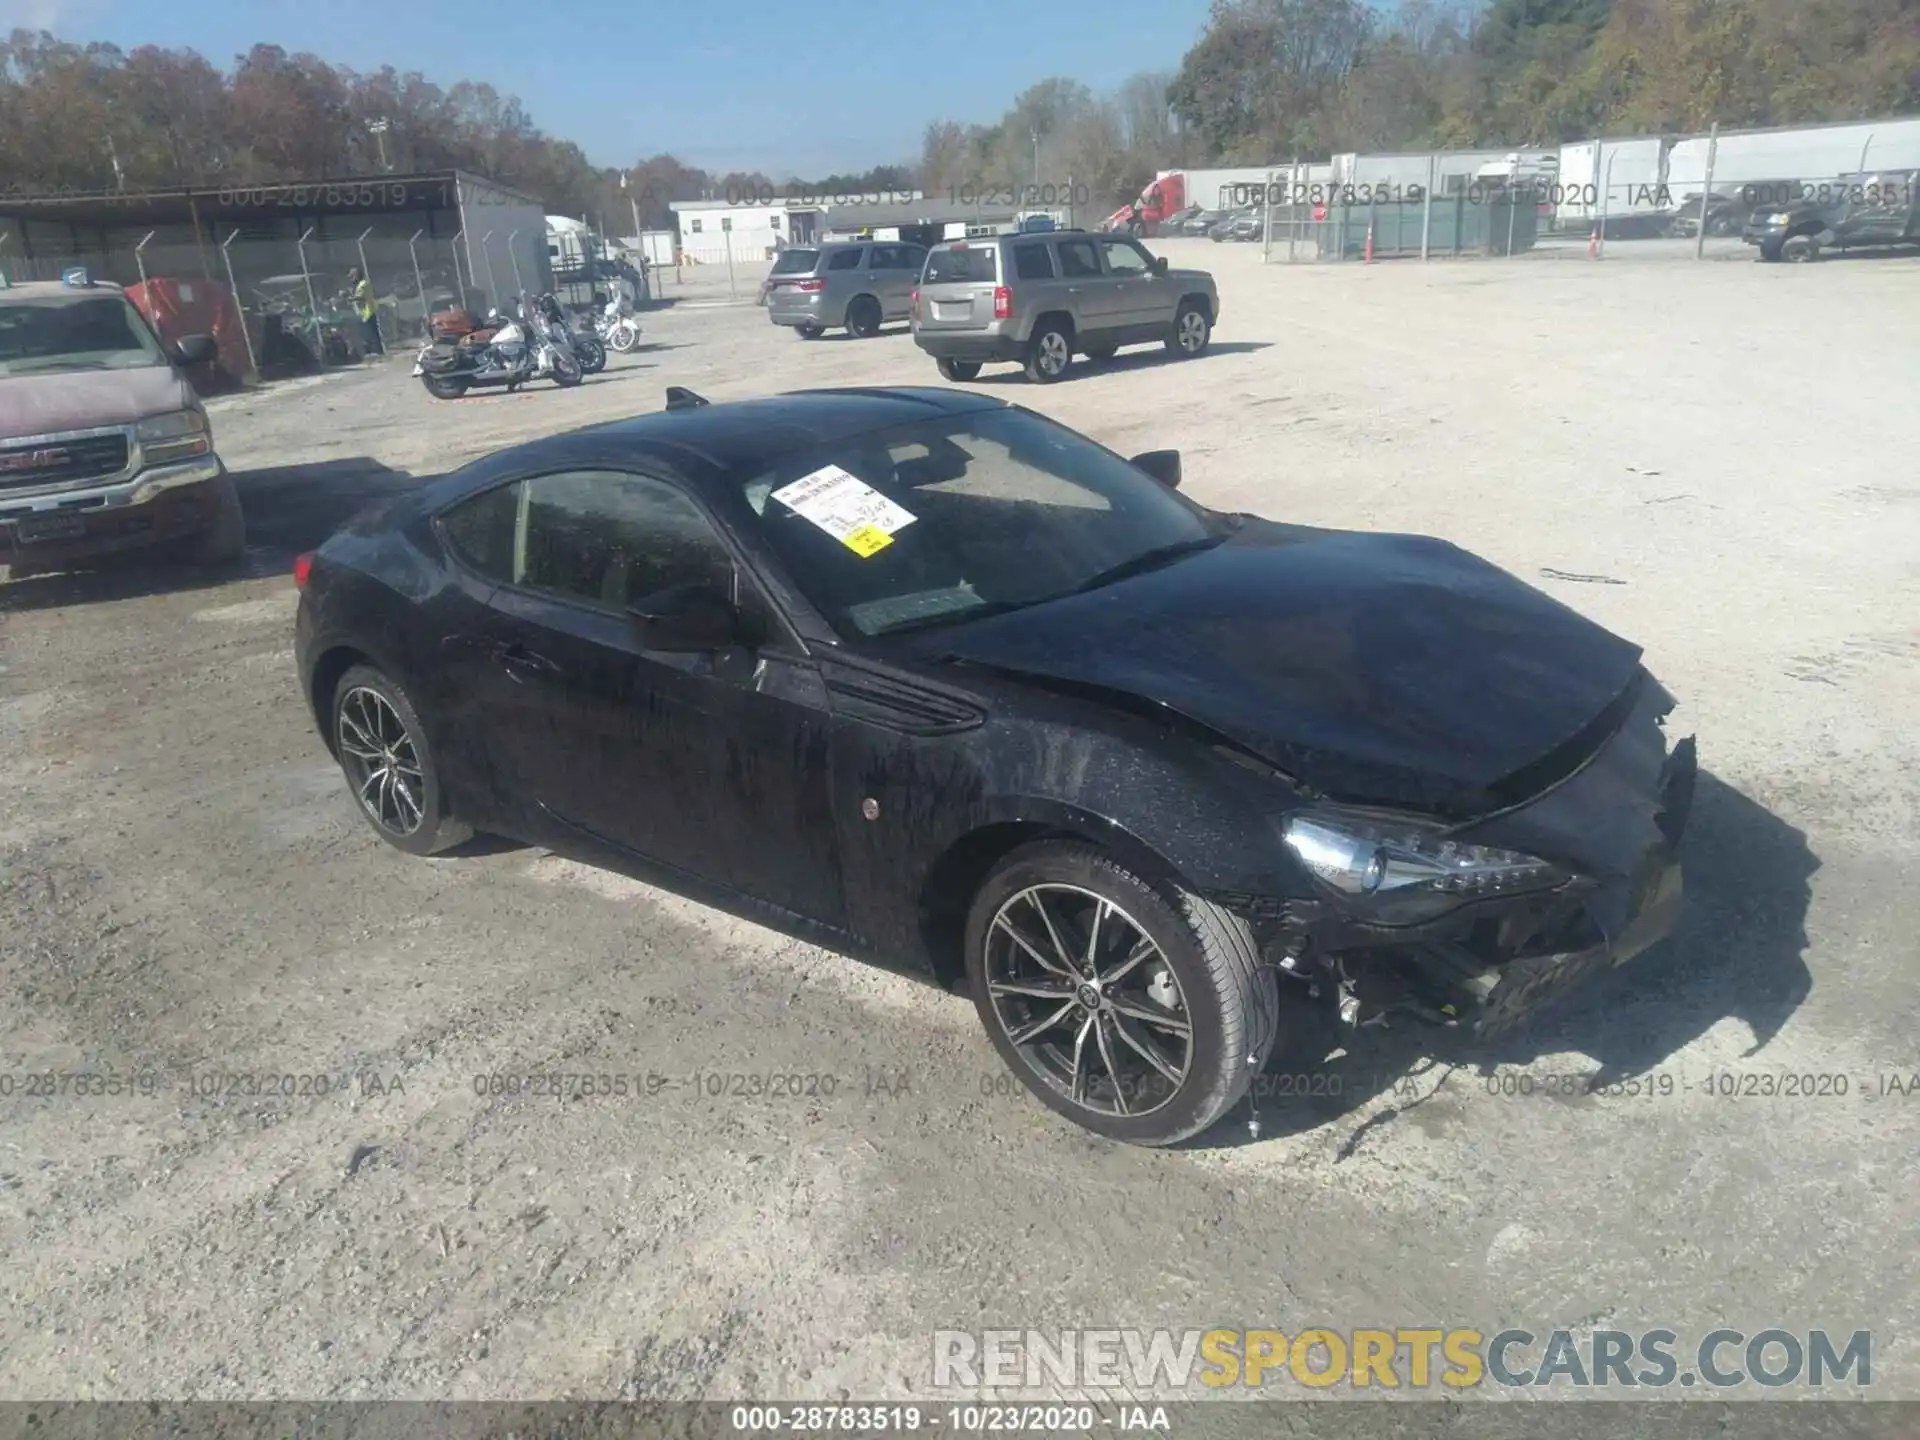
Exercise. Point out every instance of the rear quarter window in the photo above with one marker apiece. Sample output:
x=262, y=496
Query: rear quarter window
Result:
x=1033, y=262
x=796, y=262
x=977, y=264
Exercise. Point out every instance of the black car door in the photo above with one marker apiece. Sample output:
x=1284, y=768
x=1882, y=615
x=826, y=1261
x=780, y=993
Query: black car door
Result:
x=714, y=764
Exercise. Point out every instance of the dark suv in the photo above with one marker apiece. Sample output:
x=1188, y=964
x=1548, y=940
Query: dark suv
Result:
x=1041, y=299
x=1850, y=213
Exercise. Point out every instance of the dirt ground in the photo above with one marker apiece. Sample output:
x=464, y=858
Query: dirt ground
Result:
x=1720, y=461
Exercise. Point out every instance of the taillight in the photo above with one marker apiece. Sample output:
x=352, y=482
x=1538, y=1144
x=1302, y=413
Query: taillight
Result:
x=811, y=287
x=302, y=568
x=1002, y=303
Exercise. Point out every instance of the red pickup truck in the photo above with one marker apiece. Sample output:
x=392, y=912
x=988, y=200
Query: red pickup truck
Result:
x=104, y=446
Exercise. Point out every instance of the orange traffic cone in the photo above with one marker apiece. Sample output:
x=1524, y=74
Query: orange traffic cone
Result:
x=1369, y=259
x=1593, y=244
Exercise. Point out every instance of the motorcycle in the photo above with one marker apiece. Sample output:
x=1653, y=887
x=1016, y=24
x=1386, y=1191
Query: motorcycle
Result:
x=549, y=319
x=616, y=326
x=507, y=351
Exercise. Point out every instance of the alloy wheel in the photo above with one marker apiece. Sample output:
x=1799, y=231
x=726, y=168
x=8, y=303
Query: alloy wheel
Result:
x=1193, y=331
x=1054, y=353
x=1088, y=1000
x=381, y=761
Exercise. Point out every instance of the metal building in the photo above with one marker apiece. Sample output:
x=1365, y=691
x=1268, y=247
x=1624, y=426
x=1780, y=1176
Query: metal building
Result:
x=425, y=240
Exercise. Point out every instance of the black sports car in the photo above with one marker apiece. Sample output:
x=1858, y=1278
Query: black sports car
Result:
x=938, y=681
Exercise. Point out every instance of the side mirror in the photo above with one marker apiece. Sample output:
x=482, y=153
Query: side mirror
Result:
x=1162, y=465
x=686, y=620
x=196, y=349
x=1160, y=265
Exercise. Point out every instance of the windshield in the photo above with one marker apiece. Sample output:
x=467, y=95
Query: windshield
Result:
x=97, y=333
x=795, y=262
x=957, y=518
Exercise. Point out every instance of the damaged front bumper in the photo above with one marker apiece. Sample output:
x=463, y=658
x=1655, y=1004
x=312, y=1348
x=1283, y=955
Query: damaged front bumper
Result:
x=1614, y=826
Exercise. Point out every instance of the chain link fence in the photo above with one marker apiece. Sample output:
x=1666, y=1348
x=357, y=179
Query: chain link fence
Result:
x=291, y=300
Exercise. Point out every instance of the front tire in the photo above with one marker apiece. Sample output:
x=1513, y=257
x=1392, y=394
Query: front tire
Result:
x=959, y=370
x=624, y=337
x=1191, y=333
x=1140, y=1014
x=382, y=748
x=224, y=541
x=1049, y=353
x=566, y=371
x=1800, y=250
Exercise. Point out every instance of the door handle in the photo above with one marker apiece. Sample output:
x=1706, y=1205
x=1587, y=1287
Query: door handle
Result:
x=523, y=664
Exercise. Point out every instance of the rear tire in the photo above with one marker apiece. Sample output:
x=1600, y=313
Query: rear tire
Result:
x=1202, y=975
x=809, y=332
x=224, y=541
x=382, y=748
x=863, y=317
x=960, y=370
x=443, y=389
x=1191, y=333
x=1049, y=353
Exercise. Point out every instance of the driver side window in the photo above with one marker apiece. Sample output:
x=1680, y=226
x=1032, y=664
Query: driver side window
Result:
x=1124, y=260
x=601, y=538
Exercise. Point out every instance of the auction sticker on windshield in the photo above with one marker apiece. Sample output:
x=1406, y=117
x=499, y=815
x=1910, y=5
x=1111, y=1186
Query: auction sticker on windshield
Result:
x=846, y=507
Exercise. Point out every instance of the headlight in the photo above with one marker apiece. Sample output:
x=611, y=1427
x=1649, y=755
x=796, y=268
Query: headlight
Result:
x=177, y=435
x=1404, y=873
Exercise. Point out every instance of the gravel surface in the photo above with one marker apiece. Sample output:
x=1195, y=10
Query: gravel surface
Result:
x=1716, y=460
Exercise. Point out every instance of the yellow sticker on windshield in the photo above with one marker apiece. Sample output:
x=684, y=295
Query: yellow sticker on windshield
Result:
x=866, y=540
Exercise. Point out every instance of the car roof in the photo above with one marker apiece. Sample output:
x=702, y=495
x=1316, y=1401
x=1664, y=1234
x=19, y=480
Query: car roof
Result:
x=1012, y=237
x=704, y=443
x=45, y=291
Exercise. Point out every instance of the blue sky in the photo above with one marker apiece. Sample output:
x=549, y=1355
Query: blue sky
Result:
x=725, y=84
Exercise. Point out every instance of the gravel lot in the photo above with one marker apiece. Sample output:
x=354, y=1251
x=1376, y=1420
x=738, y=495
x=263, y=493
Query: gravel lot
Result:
x=1720, y=461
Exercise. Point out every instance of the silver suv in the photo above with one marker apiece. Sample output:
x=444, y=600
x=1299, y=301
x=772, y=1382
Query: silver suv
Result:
x=860, y=284
x=1042, y=299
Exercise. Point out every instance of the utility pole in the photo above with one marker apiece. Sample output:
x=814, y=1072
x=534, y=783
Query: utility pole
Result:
x=634, y=201
x=113, y=153
x=1036, y=159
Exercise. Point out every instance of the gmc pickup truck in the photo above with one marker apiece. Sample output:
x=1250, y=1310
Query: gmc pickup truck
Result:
x=104, y=447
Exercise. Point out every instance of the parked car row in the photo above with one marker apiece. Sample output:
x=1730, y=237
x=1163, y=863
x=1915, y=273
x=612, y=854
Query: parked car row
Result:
x=1033, y=298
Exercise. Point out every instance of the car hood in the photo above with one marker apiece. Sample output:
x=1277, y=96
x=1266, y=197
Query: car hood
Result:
x=1391, y=669
x=85, y=399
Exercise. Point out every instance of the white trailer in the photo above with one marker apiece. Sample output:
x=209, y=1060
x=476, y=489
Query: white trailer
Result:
x=1618, y=178
x=1387, y=176
x=1226, y=189
x=1803, y=153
